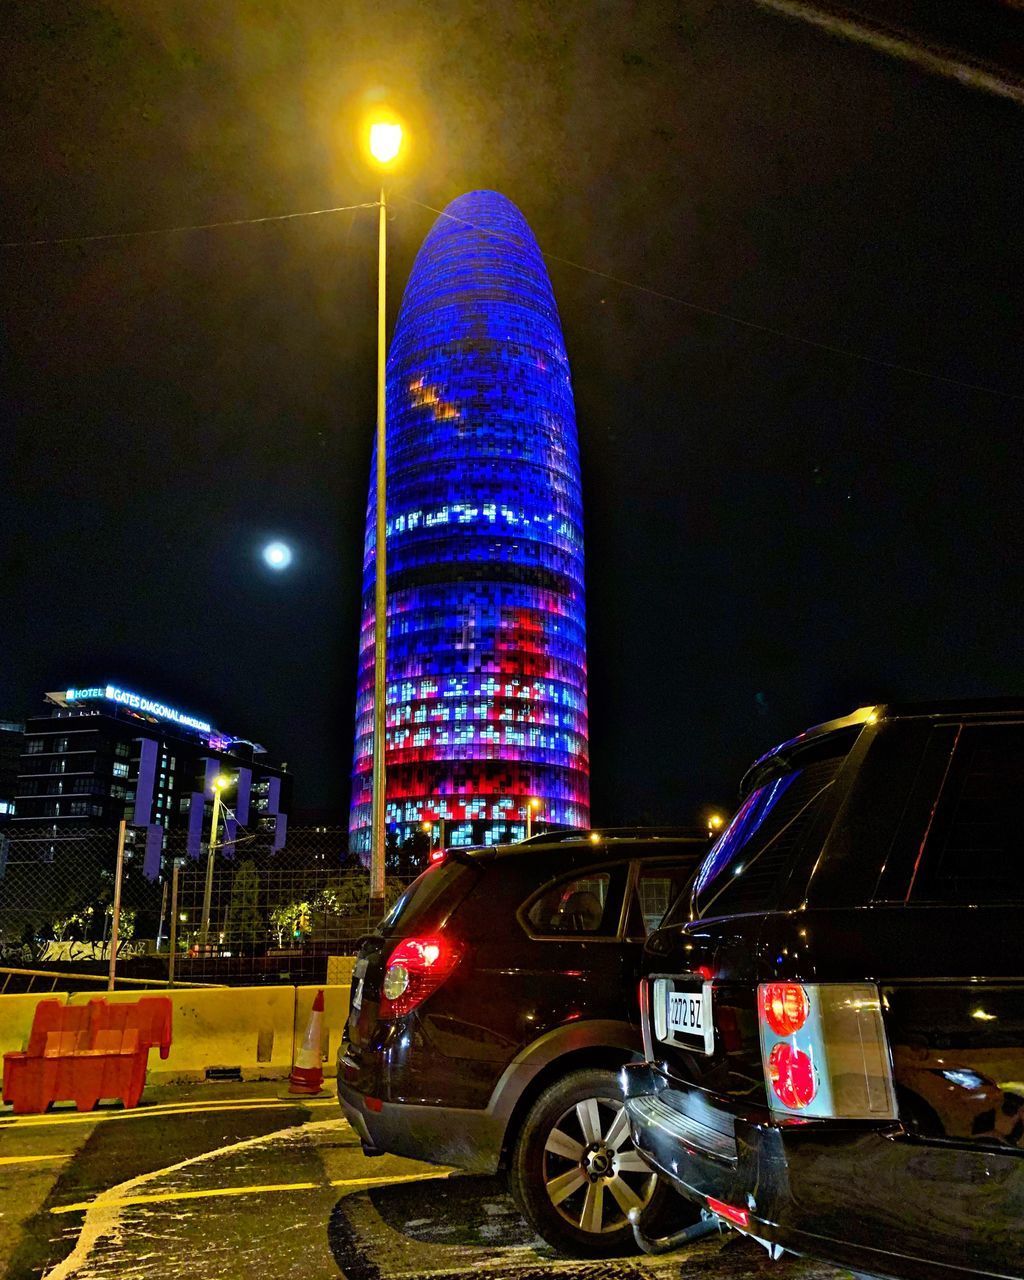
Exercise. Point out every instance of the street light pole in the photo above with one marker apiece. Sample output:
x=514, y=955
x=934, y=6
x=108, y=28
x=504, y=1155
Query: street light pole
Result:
x=531, y=805
x=218, y=785
x=378, y=833
x=384, y=141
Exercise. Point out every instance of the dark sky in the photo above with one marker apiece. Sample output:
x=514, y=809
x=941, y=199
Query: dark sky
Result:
x=775, y=534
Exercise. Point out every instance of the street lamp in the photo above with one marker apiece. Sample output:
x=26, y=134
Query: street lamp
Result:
x=531, y=807
x=384, y=142
x=218, y=784
x=715, y=822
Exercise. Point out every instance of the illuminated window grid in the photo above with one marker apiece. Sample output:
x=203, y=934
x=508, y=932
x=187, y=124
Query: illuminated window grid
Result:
x=486, y=698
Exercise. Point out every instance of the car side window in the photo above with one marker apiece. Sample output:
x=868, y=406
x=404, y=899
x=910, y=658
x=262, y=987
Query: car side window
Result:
x=974, y=851
x=656, y=889
x=586, y=905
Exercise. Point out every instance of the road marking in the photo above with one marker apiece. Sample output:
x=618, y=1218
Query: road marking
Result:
x=161, y=1109
x=83, y=1206
x=64, y=1155
x=101, y=1216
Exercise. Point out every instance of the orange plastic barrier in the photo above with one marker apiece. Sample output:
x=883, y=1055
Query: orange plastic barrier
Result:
x=82, y=1053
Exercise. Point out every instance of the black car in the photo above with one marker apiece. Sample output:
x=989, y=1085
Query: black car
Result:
x=834, y=1015
x=492, y=1010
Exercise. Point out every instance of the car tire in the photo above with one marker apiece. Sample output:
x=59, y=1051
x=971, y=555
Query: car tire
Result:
x=574, y=1171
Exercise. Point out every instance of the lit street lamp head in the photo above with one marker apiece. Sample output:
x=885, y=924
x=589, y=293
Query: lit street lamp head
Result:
x=385, y=141
x=221, y=781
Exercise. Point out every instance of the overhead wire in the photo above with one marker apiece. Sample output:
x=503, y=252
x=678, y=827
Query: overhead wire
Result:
x=194, y=226
x=788, y=335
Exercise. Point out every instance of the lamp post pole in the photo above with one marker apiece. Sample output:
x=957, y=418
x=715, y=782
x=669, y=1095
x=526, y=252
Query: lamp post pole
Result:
x=208, y=887
x=380, y=613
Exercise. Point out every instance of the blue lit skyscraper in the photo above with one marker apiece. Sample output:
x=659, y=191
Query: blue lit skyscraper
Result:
x=487, y=673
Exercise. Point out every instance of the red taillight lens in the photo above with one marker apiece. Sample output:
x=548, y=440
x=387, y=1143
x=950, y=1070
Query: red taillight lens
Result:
x=794, y=1080
x=825, y=1051
x=414, y=969
x=785, y=1006
x=436, y=855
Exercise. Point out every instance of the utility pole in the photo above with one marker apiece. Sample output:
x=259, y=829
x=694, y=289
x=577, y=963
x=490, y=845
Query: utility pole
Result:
x=219, y=783
x=115, y=920
x=378, y=831
x=174, y=924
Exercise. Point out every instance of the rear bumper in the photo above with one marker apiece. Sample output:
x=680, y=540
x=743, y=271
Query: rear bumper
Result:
x=868, y=1199
x=467, y=1139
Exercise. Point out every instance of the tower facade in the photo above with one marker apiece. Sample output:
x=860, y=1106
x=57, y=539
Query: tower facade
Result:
x=486, y=672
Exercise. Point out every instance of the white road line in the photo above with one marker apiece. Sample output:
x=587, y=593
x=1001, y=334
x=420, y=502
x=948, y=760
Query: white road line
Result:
x=103, y=1213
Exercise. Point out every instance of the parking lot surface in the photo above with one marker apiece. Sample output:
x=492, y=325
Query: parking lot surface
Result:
x=235, y=1180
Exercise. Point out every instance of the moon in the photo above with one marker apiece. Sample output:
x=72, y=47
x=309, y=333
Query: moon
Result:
x=277, y=556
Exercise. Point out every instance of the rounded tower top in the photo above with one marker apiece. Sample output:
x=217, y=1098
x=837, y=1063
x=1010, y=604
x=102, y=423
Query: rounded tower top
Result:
x=479, y=259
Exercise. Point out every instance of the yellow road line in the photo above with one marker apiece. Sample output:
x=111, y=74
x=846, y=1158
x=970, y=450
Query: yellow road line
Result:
x=216, y=1192
x=161, y=1109
x=64, y=1155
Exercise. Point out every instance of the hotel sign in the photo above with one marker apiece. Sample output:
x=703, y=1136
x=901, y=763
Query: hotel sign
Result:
x=139, y=703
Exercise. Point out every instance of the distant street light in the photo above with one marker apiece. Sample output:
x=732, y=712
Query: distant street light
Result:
x=715, y=824
x=531, y=806
x=384, y=140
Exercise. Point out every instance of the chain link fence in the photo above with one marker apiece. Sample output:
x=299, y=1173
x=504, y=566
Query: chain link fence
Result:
x=247, y=915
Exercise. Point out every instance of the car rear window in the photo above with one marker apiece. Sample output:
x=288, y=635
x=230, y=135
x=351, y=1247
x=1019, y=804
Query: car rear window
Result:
x=743, y=869
x=430, y=898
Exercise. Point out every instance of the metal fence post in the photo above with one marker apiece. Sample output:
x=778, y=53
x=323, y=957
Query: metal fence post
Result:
x=174, y=923
x=116, y=917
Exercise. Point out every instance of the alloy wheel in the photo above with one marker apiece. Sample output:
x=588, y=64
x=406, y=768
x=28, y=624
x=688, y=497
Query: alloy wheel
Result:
x=593, y=1174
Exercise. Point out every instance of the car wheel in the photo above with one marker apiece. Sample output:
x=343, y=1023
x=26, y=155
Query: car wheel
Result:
x=575, y=1173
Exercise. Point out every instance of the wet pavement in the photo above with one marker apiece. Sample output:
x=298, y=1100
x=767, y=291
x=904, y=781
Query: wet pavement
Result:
x=234, y=1180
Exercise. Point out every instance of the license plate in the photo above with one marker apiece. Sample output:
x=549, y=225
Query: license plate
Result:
x=686, y=1017
x=684, y=1013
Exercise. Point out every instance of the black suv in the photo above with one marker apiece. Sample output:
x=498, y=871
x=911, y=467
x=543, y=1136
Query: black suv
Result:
x=492, y=1010
x=833, y=1017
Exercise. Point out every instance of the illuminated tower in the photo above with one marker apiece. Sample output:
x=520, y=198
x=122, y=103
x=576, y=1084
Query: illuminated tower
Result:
x=487, y=670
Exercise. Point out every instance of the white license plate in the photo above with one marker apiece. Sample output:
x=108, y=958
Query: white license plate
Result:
x=687, y=1018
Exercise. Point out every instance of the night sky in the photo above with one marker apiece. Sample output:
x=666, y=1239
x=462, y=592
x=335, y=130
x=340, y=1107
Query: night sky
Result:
x=775, y=533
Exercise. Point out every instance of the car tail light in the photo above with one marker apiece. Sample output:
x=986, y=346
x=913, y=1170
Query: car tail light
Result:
x=824, y=1050
x=792, y=1076
x=785, y=1006
x=436, y=855
x=414, y=970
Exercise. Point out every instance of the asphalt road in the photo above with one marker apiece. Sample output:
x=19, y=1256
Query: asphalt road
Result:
x=236, y=1181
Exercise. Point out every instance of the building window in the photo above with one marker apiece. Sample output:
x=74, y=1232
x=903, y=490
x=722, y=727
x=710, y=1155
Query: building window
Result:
x=35, y=746
x=120, y=769
x=61, y=744
x=121, y=750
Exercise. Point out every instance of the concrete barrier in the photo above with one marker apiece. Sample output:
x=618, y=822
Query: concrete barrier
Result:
x=252, y=1030
x=16, y=1014
x=339, y=970
x=248, y=1029
x=335, y=1013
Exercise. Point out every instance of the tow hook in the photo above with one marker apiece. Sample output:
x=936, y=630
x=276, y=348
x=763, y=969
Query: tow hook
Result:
x=709, y=1222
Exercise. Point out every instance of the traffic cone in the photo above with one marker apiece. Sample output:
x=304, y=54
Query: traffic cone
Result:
x=308, y=1072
